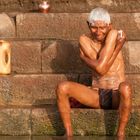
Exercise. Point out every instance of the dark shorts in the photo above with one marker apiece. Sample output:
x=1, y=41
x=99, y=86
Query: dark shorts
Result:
x=108, y=97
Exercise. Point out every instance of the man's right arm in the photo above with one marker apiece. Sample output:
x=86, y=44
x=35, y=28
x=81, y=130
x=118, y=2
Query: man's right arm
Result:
x=87, y=47
x=100, y=64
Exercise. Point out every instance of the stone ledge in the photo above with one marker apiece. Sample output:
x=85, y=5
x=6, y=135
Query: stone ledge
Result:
x=62, y=56
x=68, y=25
x=71, y=5
x=40, y=89
x=47, y=121
x=84, y=122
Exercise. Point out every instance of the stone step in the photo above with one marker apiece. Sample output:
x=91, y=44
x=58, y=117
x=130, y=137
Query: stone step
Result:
x=84, y=122
x=71, y=5
x=24, y=90
x=52, y=56
x=47, y=121
x=68, y=26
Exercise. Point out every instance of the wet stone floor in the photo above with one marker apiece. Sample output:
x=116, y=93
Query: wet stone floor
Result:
x=64, y=138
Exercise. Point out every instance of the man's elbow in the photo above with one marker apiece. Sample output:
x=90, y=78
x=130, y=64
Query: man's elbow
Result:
x=102, y=70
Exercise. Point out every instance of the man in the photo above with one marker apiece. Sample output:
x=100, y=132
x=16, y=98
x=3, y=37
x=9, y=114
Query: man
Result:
x=101, y=51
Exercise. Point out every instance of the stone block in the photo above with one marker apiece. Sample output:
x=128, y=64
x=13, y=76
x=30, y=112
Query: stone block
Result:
x=7, y=27
x=27, y=90
x=15, y=121
x=26, y=57
x=131, y=56
x=62, y=57
x=131, y=28
x=84, y=122
x=135, y=80
x=5, y=89
x=68, y=25
x=52, y=25
x=46, y=122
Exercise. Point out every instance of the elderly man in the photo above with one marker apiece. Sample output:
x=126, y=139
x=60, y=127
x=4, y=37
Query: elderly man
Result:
x=101, y=51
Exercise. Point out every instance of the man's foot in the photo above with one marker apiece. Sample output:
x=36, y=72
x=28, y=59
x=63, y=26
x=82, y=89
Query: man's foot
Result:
x=68, y=137
x=121, y=135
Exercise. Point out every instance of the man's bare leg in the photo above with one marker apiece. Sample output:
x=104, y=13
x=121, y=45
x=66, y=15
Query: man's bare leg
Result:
x=125, y=107
x=81, y=93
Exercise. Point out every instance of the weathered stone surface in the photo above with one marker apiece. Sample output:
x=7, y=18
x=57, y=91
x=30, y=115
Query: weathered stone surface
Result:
x=61, y=26
x=18, y=5
x=46, y=122
x=131, y=54
x=40, y=89
x=135, y=80
x=15, y=122
x=70, y=26
x=62, y=57
x=15, y=137
x=71, y=5
x=99, y=122
x=116, y=5
x=5, y=89
x=7, y=27
x=47, y=137
x=93, y=137
x=23, y=90
x=26, y=57
x=119, y=21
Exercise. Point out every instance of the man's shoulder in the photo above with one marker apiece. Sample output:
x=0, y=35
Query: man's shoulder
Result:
x=113, y=32
x=112, y=35
x=85, y=37
x=88, y=35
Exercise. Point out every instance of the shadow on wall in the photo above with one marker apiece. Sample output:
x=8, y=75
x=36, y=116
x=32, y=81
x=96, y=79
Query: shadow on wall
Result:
x=67, y=58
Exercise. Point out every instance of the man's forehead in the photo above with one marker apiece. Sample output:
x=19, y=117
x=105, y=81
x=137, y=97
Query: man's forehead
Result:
x=99, y=23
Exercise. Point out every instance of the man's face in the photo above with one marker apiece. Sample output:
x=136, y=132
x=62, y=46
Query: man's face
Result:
x=99, y=30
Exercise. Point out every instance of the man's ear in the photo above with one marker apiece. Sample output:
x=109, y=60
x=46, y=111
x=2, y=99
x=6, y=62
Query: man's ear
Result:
x=88, y=24
x=110, y=26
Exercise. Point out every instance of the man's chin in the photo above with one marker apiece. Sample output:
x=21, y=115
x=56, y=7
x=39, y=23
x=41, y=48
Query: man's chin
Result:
x=99, y=39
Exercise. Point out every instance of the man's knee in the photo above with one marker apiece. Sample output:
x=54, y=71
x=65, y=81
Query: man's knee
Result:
x=125, y=89
x=62, y=88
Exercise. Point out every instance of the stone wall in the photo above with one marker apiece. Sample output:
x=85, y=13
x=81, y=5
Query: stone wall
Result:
x=45, y=52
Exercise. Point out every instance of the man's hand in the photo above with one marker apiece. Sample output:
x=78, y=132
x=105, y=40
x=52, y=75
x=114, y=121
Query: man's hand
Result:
x=81, y=53
x=121, y=38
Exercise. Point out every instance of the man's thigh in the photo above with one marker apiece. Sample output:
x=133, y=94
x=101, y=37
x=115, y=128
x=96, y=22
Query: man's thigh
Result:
x=84, y=94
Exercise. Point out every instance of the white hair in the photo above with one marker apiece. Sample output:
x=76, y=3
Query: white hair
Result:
x=99, y=14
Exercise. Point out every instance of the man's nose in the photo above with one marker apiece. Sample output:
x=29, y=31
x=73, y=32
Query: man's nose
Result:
x=98, y=31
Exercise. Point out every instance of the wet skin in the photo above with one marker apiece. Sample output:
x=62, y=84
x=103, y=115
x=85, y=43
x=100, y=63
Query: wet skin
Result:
x=101, y=51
